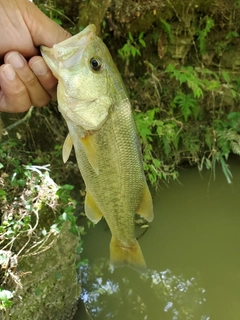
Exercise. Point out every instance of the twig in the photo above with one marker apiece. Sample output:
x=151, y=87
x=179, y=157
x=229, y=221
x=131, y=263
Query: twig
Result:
x=27, y=116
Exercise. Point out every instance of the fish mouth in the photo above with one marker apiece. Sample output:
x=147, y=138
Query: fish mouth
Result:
x=81, y=39
x=71, y=50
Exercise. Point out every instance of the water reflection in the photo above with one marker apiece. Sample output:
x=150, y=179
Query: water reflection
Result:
x=191, y=249
x=125, y=294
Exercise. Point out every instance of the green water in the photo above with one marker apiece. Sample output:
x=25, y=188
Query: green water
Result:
x=192, y=250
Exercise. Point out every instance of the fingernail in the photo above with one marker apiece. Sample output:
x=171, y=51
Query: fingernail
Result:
x=8, y=72
x=15, y=59
x=39, y=68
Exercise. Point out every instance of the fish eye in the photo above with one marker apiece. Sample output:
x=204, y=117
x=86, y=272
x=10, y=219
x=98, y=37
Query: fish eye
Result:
x=95, y=64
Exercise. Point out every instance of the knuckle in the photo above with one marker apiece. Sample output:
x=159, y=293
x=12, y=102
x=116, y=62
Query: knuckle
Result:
x=30, y=81
x=18, y=90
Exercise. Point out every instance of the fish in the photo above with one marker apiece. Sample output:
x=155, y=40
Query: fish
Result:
x=93, y=100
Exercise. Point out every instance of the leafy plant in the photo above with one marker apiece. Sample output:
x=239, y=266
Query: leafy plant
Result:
x=167, y=28
x=187, y=104
x=205, y=27
x=218, y=138
x=153, y=131
x=33, y=208
x=187, y=75
x=132, y=47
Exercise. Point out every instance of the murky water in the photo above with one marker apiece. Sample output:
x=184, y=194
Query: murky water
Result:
x=192, y=250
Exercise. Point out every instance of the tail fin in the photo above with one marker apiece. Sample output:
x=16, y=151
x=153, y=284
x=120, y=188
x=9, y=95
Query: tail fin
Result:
x=131, y=256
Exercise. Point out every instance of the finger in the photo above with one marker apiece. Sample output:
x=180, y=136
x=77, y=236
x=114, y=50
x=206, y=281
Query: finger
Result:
x=44, y=75
x=43, y=30
x=38, y=96
x=13, y=94
x=14, y=31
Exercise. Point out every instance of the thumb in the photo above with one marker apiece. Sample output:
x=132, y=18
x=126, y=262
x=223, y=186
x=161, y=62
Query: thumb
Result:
x=43, y=30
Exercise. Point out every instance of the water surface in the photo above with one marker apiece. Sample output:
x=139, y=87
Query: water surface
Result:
x=192, y=250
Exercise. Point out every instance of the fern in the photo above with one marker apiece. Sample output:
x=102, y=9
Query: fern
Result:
x=234, y=120
x=202, y=34
x=188, y=75
x=167, y=28
x=235, y=146
x=234, y=140
x=228, y=141
x=188, y=105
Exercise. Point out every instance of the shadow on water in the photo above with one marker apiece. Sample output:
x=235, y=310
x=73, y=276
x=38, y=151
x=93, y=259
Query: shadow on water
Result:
x=192, y=251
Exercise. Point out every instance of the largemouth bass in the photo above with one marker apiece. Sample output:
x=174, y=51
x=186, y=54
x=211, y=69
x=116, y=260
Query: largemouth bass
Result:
x=93, y=100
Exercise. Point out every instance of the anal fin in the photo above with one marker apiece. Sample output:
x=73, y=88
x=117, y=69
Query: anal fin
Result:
x=130, y=256
x=145, y=208
x=91, y=209
x=90, y=151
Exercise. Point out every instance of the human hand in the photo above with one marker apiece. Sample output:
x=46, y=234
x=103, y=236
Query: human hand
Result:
x=23, y=28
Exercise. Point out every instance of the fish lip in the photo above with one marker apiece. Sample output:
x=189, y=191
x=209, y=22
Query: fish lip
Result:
x=75, y=43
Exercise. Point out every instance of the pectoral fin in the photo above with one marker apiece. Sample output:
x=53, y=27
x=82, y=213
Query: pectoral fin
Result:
x=145, y=208
x=91, y=209
x=67, y=148
x=90, y=151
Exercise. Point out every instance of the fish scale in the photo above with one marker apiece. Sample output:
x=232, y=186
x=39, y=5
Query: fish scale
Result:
x=93, y=100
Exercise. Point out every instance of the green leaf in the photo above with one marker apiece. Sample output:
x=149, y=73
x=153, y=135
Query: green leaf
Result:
x=156, y=163
x=232, y=34
x=167, y=28
x=142, y=42
x=130, y=36
x=2, y=192
x=226, y=170
x=226, y=76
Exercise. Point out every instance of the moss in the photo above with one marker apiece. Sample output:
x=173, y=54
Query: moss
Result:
x=50, y=288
